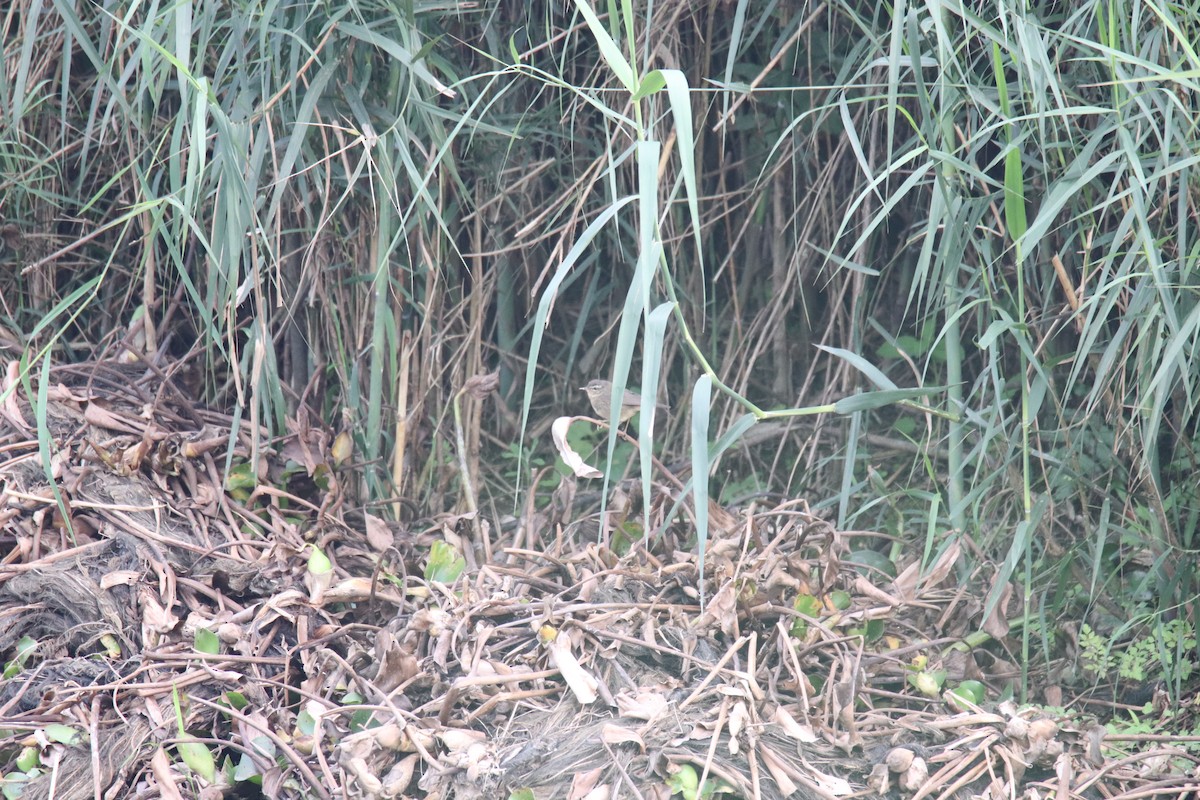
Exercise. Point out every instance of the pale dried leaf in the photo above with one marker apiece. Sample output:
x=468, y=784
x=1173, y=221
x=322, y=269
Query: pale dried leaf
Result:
x=645, y=705
x=584, y=783
x=120, y=577
x=775, y=765
x=164, y=776
x=359, y=590
x=155, y=617
x=618, y=734
x=581, y=469
x=739, y=716
x=916, y=776
x=379, y=535
x=399, y=777
x=580, y=681
x=721, y=609
x=458, y=740
x=996, y=623
x=792, y=727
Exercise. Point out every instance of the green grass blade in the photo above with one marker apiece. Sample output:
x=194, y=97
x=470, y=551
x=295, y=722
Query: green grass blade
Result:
x=701, y=463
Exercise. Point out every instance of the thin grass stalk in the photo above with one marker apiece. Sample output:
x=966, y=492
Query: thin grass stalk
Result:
x=952, y=334
x=400, y=467
x=381, y=314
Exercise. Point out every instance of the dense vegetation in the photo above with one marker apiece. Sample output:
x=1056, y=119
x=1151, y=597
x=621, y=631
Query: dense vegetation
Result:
x=947, y=249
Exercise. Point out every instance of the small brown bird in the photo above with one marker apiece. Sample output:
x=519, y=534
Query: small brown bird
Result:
x=599, y=392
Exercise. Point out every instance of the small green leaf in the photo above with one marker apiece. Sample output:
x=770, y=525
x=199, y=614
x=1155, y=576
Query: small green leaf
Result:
x=445, y=564
x=26, y=647
x=653, y=83
x=966, y=694
x=207, y=642
x=263, y=745
x=241, y=480
x=236, y=700
x=318, y=562
x=13, y=785
x=928, y=682
x=871, y=564
x=63, y=734
x=245, y=769
x=28, y=758
x=305, y=723
x=112, y=647
x=198, y=758
x=321, y=476
x=362, y=720
x=809, y=606
x=685, y=781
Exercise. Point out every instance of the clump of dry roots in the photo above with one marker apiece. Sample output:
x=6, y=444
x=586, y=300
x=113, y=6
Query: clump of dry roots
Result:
x=151, y=606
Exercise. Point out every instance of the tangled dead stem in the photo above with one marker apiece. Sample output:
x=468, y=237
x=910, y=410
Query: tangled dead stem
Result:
x=552, y=665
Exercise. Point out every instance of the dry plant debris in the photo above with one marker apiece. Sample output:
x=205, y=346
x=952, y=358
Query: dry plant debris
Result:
x=196, y=634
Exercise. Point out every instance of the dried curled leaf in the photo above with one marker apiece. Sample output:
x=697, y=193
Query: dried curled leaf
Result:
x=572, y=459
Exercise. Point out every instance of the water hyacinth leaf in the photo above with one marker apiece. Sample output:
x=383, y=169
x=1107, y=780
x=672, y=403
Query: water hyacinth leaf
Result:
x=840, y=599
x=871, y=564
x=207, y=642
x=28, y=758
x=198, y=758
x=26, y=646
x=246, y=769
x=63, y=734
x=445, y=564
